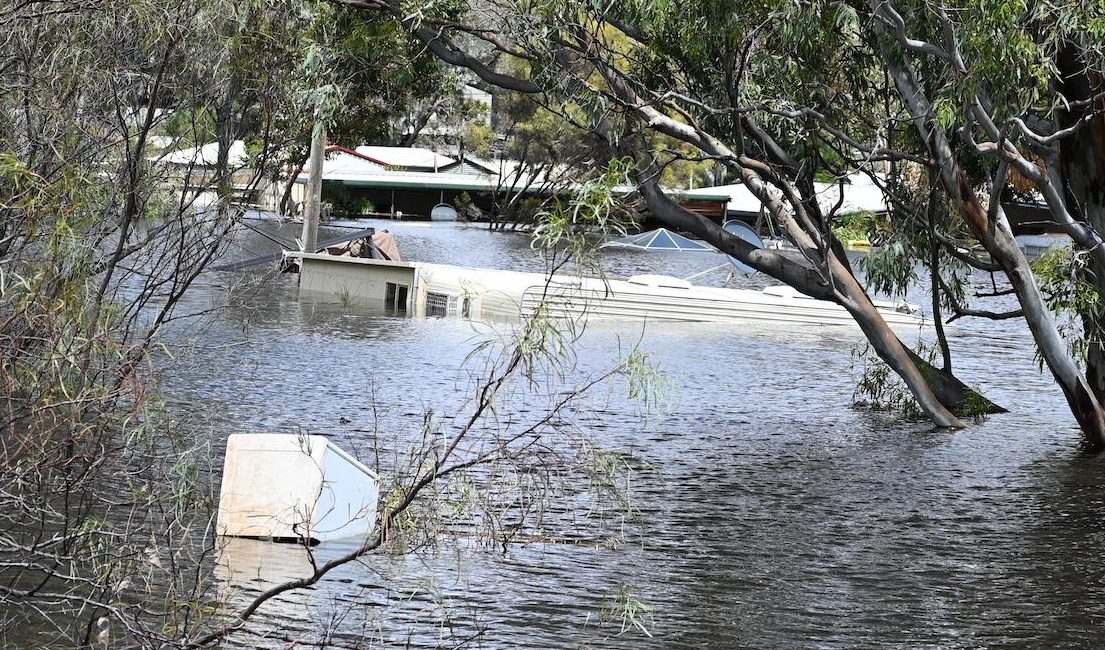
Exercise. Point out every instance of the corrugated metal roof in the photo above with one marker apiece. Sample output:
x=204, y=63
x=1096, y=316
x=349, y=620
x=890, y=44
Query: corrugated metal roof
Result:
x=208, y=155
x=340, y=164
x=410, y=157
x=354, y=169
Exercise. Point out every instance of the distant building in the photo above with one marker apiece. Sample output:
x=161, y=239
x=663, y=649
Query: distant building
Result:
x=194, y=169
x=409, y=182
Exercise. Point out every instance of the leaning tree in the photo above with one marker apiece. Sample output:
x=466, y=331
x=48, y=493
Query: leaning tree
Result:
x=953, y=100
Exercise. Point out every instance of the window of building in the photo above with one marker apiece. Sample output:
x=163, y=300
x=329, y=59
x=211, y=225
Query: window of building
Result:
x=437, y=304
x=395, y=296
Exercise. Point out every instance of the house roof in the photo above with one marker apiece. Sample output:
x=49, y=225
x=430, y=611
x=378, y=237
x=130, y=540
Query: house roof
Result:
x=860, y=195
x=408, y=157
x=488, y=166
x=383, y=179
x=360, y=168
x=208, y=155
x=341, y=163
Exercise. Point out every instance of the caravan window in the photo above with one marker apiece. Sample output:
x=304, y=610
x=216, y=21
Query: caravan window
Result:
x=437, y=304
x=395, y=296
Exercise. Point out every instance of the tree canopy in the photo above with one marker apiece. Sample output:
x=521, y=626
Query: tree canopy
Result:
x=946, y=104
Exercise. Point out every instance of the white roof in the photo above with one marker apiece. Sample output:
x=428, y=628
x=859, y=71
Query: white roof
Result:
x=741, y=199
x=341, y=165
x=406, y=157
x=208, y=155
x=860, y=195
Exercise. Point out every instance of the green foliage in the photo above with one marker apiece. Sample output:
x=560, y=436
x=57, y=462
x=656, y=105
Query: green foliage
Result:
x=629, y=611
x=890, y=270
x=853, y=226
x=1062, y=273
x=974, y=406
x=647, y=383
x=98, y=245
x=539, y=136
x=345, y=201
x=1064, y=277
x=355, y=72
x=879, y=389
x=479, y=139
x=565, y=231
x=190, y=127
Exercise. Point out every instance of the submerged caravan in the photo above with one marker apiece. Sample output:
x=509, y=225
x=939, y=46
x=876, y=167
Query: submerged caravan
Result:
x=427, y=289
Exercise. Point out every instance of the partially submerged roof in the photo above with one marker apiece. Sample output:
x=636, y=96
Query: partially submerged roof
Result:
x=660, y=239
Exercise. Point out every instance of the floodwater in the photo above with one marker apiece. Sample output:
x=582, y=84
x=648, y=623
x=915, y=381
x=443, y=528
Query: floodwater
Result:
x=764, y=511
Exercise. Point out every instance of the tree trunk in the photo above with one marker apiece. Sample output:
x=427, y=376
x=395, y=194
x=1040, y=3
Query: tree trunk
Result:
x=224, y=135
x=809, y=281
x=287, y=194
x=1082, y=168
x=1001, y=245
x=313, y=208
x=960, y=398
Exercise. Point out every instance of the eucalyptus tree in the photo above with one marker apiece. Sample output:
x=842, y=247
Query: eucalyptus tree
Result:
x=656, y=68
x=361, y=76
x=780, y=92
x=100, y=241
x=105, y=536
x=1007, y=87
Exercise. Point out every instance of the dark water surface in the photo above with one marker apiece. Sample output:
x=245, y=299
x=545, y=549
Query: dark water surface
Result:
x=771, y=514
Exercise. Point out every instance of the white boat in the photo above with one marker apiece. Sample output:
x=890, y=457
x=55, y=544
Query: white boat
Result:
x=486, y=294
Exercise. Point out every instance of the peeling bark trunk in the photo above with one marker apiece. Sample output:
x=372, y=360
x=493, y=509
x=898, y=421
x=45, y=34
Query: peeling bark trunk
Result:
x=1082, y=169
x=811, y=282
x=1001, y=245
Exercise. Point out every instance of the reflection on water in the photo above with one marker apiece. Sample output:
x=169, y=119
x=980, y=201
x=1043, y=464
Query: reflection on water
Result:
x=771, y=514
x=248, y=567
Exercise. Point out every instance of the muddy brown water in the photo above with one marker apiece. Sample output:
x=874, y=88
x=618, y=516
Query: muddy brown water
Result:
x=769, y=512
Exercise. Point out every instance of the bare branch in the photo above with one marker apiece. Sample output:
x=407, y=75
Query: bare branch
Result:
x=886, y=13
